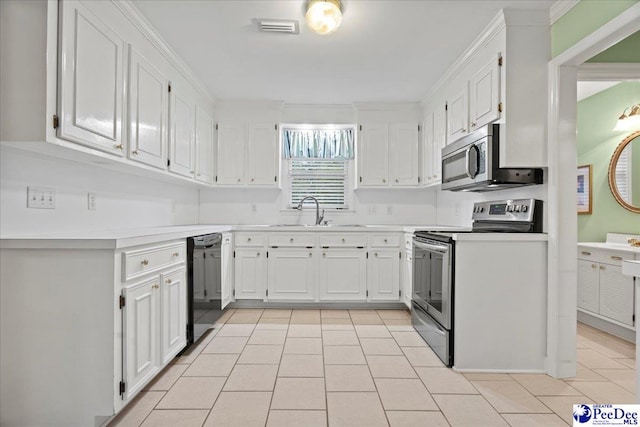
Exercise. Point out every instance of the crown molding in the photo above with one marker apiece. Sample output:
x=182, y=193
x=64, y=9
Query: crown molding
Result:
x=560, y=8
x=131, y=12
x=602, y=71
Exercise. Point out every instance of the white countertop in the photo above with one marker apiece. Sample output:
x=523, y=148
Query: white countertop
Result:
x=631, y=268
x=610, y=246
x=123, y=238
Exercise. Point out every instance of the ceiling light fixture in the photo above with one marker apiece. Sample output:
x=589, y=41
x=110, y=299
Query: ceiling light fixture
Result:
x=323, y=16
x=629, y=122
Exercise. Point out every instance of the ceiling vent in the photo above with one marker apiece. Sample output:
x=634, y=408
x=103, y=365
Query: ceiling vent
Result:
x=278, y=26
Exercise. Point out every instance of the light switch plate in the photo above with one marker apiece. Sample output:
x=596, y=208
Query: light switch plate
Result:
x=41, y=198
x=91, y=201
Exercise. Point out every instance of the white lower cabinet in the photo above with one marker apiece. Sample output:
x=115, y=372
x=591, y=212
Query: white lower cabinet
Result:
x=406, y=271
x=140, y=334
x=250, y=273
x=226, y=285
x=383, y=275
x=602, y=288
x=342, y=275
x=173, y=313
x=292, y=274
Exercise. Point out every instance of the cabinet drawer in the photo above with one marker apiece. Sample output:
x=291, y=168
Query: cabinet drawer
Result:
x=588, y=253
x=250, y=239
x=604, y=256
x=343, y=240
x=382, y=240
x=143, y=261
x=292, y=240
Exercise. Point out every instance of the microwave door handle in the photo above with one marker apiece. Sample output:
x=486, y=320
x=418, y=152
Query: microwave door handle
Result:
x=467, y=156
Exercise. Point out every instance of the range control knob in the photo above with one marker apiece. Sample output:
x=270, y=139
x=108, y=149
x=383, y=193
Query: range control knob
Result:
x=517, y=208
x=525, y=208
x=481, y=209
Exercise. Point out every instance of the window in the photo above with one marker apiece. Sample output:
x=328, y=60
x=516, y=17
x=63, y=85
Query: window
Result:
x=317, y=162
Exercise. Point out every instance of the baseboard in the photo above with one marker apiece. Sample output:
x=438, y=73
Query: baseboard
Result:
x=606, y=326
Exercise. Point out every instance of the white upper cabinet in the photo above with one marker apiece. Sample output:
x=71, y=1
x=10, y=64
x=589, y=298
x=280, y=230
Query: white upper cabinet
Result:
x=247, y=154
x=148, y=111
x=435, y=137
x=262, y=154
x=373, y=152
x=204, y=144
x=388, y=155
x=90, y=80
x=182, y=130
x=403, y=154
x=231, y=153
x=458, y=114
x=484, y=95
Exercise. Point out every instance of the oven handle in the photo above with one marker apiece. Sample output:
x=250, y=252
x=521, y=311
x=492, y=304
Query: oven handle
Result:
x=431, y=247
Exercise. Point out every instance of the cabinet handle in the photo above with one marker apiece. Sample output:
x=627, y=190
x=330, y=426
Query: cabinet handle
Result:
x=135, y=152
x=463, y=130
x=248, y=239
x=310, y=254
x=238, y=179
x=252, y=179
x=324, y=254
x=198, y=174
x=155, y=286
x=343, y=241
x=593, y=266
x=168, y=281
x=376, y=254
x=258, y=254
x=585, y=253
x=396, y=180
x=118, y=146
x=602, y=267
x=386, y=241
x=617, y=258
x=290, y=240
x=176, y=254
x=384, y=180
x=144, y=262
x=473, y=124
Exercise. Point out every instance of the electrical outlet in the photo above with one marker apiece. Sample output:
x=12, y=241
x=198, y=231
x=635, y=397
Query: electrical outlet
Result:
x=372, y=210
x=91, y=201
x=41, y=198
x=389, y=210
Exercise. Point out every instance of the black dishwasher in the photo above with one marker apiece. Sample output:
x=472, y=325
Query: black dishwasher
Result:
x=204, y=278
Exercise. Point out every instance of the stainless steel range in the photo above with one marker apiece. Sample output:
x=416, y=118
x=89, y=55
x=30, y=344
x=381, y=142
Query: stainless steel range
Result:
x=434, y=269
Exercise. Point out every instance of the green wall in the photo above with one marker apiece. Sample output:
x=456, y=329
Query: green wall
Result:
x=582, y=20
x=628, y=50
x=635, y=170
x=597, y=116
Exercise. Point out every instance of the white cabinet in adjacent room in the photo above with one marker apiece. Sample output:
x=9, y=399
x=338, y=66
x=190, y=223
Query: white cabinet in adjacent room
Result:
x=204, y=144
x=616, y=294
x=140, y=333
x=342, y=275
x=90, y=87
x=250, y=273
x=292, y=274
x=148, y=111
x=383, y=275
x=588, y=285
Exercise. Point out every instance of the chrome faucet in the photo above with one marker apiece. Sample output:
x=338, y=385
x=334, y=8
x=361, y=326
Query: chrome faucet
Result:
x=319, y=216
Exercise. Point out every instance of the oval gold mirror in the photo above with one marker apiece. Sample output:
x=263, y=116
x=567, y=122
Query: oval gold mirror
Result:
x=624, y=173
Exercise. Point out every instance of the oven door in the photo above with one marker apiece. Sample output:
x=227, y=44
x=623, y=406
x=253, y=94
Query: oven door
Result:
x=432, y=279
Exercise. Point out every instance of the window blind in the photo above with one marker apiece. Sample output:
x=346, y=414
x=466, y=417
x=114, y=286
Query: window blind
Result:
x=324, y=179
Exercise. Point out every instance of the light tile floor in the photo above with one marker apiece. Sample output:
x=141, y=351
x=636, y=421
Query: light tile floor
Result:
x=361, y=368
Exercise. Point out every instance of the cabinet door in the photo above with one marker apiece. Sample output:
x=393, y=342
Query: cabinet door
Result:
x=616, y=294
x=407, y=278
x=343, y=275
x=250, y=273
x=439, y=141
x=373, y=152
x=204, y=145
x=181, y=134
x=173, y=314
x=403, y=154
x=198, y=274
x=291, y=274
x=148, y=112
x=588, y=286
x=90, y=80
x=212, y=273
x=384, y=275
x=484, y=95
x=457, y=115
x=262, y=154
x=231, y=154
x=227, y=270
x=140, y=347
x=428, y=174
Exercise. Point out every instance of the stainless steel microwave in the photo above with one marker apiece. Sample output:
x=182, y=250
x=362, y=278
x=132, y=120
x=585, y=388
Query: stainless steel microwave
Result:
x=472, y=164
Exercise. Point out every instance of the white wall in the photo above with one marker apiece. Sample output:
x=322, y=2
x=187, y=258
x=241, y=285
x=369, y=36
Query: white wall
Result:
x=123, y=201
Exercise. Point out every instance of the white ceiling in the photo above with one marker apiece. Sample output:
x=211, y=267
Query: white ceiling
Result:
x=384, y=51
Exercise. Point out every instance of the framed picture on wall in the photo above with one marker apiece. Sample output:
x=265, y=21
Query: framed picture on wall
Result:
x=584, y=189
